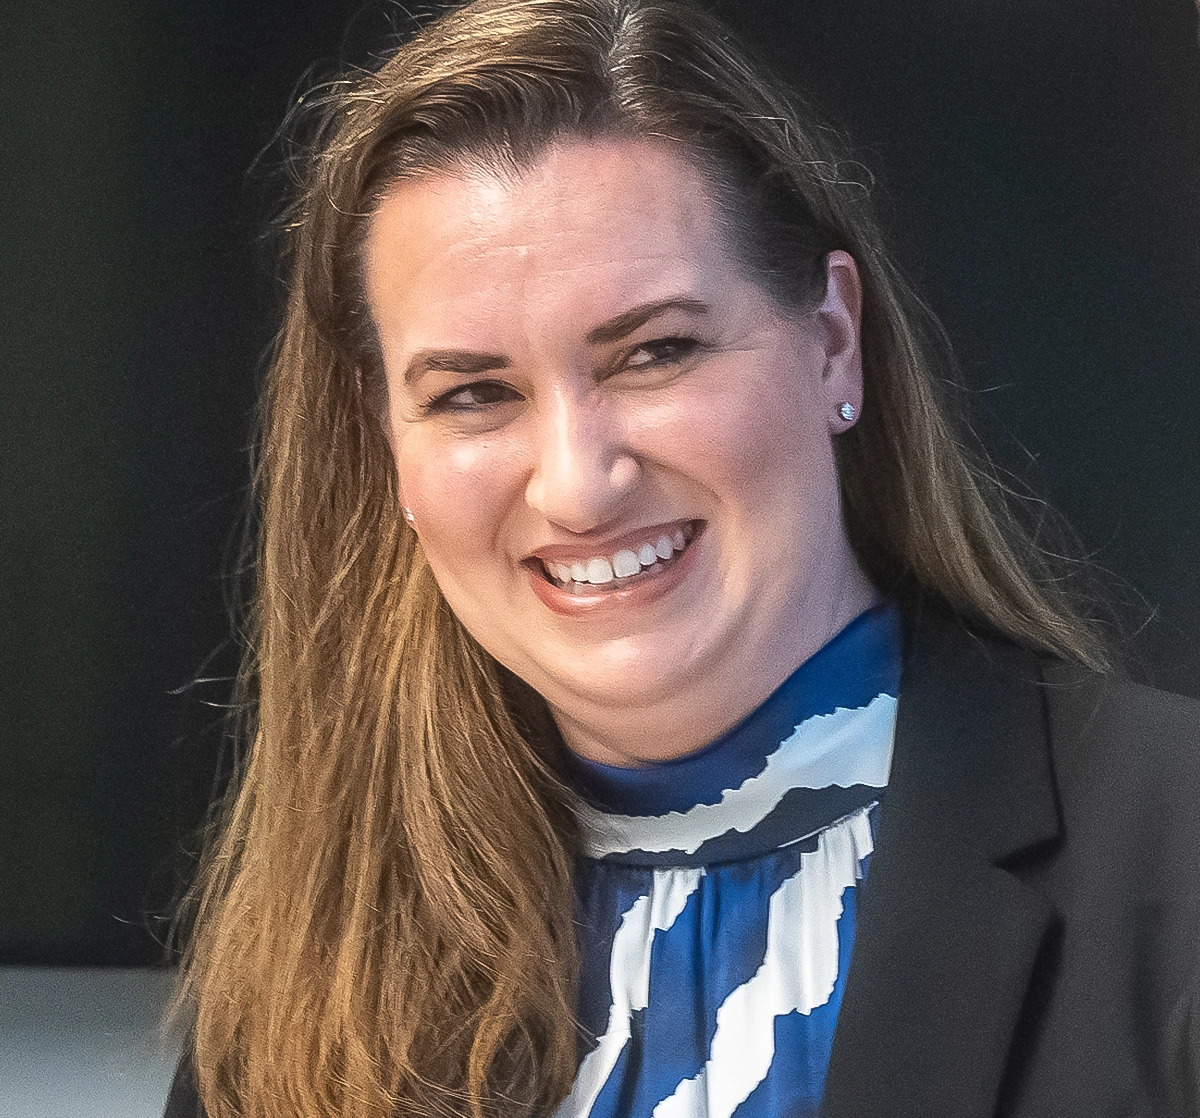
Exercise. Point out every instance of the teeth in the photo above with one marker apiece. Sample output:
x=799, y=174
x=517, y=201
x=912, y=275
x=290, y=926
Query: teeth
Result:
x=625, y=563
x=599, y=571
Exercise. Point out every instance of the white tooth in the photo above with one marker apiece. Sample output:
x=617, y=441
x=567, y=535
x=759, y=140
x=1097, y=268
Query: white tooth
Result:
x=625, y=563
x=647, y=555
x=563, y=572
x=678, y=541
x=579, y=572
x=663, y=548
x=599, y=571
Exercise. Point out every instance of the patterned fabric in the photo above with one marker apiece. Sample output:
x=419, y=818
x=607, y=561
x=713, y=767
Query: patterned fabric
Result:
x=717, y=897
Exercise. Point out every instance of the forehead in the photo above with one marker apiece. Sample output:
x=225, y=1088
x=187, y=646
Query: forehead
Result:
x=605, y=221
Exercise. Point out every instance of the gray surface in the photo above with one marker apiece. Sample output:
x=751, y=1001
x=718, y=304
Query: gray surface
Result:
x=84, y=1043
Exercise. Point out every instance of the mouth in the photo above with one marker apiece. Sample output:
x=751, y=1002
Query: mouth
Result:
x=642, y=560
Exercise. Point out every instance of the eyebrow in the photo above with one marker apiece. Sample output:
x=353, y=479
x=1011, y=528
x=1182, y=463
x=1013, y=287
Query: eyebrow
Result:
x=616, y=328
x=469, y=362
x=466, y=361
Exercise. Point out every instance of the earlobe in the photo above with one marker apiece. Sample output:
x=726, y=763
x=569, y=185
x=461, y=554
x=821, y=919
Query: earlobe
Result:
x=405, y=511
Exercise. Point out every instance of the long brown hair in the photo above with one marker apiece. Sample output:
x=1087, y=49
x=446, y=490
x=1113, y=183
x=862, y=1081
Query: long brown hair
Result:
x=383, y=922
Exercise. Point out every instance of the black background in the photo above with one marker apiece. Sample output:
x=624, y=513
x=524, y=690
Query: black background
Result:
x=1038, y=162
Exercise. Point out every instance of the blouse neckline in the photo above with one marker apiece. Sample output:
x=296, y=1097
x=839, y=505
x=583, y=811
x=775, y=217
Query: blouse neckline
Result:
x=817, y=749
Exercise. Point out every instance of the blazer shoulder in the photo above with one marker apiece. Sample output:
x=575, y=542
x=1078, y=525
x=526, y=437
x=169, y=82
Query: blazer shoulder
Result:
x=1111, y=720
x=1126, y=761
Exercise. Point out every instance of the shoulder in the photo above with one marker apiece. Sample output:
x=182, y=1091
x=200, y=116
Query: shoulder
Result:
x=1126, y=763
x=1090, y=779
x=1088, y=708
x=1130, y=748
x=1093, y=723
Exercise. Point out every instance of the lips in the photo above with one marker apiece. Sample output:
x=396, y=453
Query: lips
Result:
x=648, y=553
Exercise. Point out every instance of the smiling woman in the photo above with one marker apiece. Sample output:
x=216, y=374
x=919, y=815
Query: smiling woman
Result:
x=624, y=596
x=610, y=386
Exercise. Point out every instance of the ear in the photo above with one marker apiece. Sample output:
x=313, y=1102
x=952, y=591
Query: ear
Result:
x=838, y=320
x=390, y=435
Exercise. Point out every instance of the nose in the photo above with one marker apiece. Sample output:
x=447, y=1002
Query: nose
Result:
x=582, y=470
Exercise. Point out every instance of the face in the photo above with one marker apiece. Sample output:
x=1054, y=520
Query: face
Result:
x=617, y=449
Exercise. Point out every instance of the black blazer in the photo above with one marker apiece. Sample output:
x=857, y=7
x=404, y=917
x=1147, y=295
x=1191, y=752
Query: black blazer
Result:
x=1029, y=933
x=1030, y=927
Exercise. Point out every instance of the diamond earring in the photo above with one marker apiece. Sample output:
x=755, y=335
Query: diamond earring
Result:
x=408, y=515
x=847, y=411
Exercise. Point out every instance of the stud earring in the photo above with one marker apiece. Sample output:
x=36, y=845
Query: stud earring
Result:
x=408, y=515
x=847, y=411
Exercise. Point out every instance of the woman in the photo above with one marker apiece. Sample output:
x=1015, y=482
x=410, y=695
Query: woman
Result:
x=636, y=646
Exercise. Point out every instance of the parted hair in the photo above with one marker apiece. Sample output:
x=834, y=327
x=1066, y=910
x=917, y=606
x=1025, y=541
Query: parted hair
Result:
x=383, y=919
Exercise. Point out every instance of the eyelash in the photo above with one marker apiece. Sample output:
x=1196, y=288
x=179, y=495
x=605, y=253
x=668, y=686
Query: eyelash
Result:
x=678, y=348
x=503, y=393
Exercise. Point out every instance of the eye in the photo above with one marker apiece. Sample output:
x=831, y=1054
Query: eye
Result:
x=661, y=351
x=477, y=396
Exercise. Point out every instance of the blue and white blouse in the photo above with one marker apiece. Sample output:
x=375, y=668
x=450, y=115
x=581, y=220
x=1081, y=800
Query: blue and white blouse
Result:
x=717, y=897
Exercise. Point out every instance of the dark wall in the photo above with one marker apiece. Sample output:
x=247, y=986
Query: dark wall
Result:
x=1039, y=163
x=137, y=301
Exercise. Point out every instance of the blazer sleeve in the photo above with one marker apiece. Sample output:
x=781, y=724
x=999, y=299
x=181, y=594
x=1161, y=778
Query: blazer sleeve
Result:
x=184, y=1099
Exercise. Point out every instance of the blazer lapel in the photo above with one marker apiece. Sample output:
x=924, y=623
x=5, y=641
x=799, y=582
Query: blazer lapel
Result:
x=947, y=937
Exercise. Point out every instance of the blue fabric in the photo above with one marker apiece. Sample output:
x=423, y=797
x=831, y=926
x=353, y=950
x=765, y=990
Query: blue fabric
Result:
x=712, y=968
x=803, y=1043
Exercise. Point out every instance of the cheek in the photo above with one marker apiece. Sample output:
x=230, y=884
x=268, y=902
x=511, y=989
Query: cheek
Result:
x=458, y=492
x=748, y=440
